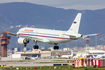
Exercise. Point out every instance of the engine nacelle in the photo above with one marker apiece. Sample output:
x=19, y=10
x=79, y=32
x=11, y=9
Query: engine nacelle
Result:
x=22, y=41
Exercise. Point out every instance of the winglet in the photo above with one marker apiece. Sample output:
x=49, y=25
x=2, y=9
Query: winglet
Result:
x=98, y=34
x=7, y=32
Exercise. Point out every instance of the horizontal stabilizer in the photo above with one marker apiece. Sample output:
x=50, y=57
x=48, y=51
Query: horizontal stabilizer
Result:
x=90, y=35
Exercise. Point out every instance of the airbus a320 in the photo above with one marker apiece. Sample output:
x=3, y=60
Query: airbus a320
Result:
x=53, y=37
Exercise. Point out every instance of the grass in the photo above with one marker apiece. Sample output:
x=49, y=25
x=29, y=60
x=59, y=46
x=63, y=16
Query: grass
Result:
x=64, y=60
x=49, y=62
x=52, y=68
x=18, y=61
x=25, y=60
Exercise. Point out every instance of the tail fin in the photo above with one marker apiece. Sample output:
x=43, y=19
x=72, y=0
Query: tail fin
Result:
x=75, y=25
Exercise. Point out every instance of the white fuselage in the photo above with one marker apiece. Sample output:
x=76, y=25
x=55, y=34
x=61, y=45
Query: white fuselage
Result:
x=49, y=36
x=52, y=37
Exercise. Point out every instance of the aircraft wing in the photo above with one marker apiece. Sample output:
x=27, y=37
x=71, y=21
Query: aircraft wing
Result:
x=29, y=38
x=90, y=35
x=11, y=33
x=35, y=39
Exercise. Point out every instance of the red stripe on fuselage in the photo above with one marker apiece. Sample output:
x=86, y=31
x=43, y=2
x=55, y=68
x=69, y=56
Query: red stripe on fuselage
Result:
x=47, y=36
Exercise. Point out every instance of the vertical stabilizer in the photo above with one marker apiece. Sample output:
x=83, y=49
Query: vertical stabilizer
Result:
x=75, y=25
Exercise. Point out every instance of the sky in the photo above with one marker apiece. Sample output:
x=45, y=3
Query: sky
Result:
x=66, y=4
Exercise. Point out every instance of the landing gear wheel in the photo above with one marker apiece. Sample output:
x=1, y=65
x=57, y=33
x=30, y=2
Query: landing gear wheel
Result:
x=36, y=47
x=27, y=41
x=56, y=47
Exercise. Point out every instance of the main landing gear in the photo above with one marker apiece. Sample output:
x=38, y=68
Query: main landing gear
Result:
x=56, y=47
x=35, y=46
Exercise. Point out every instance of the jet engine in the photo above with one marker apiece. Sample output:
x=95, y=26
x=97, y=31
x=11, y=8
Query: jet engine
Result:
x=23, y=41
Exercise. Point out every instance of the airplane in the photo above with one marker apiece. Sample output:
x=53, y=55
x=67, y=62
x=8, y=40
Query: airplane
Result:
x=66, y=56
x=99, y=56
x=53, y=37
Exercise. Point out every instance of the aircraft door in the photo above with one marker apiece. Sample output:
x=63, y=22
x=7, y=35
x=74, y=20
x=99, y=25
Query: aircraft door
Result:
x=63, y=35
